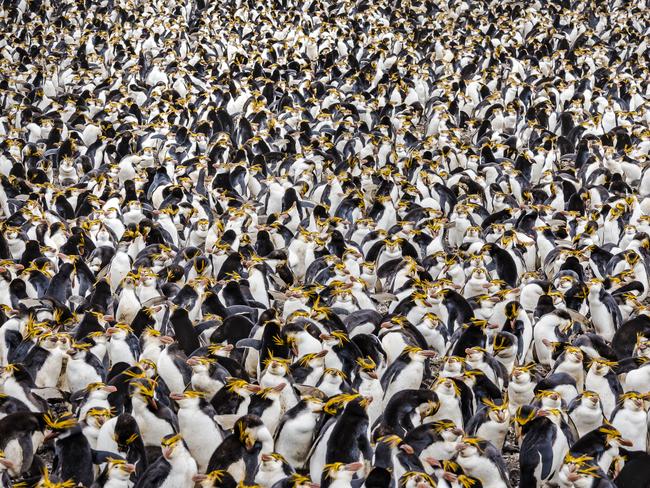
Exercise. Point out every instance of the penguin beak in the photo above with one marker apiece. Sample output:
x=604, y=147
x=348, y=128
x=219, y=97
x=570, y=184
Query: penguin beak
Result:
x=433, y=462
x=7, y=463
x=625, y=442
x=167, y=340
x=129, y=468
x=573, y=477
x=266, y=457
x=372, y=374
x=407, y=449
x=197, y=478
x=192, y=361
x=428, y=354
x=176, y=396
x=49, y=436
x=110, y=388
x=353, y=467
x=167, y=452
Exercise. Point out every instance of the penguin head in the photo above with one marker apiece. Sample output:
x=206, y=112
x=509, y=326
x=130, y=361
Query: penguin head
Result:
x=613, y=437
x=99, y=391
x=512, y=310
x=119, y=331
x=573, y=354
x=143, y=389
x=642, y=346
x=417, y=354
x=632, y=400
x=213, y=479
x=130, y=281
x=272, y=463
x=188, y=398
x=60, y=426
x=523, y=375
x=251, y=429
x=448, y=430
x=342, y=471
x=446, y=387
x=173, y=446
x=549, y=399
x=497, y=410
x=470, y=451
x=416, y=479
x=119, y=470
x=367, y=368
x=589, y=399
x=334, y=338
x=333, y=376
x=96, y=417
x=453, y=366
x=55, y=341
x=431, y=321
x=200, y=364
x=276, y=366
x=474, y=354
x=600, y=366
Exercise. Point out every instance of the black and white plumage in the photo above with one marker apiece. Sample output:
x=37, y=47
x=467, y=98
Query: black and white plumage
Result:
x=278, y=219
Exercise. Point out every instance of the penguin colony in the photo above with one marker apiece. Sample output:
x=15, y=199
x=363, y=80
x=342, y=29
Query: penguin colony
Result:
x=350, y=243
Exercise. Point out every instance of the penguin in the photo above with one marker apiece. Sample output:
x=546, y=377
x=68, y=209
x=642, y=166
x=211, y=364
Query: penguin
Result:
x=154, y=418
x=22, y=435
x=481, y=460
x=546, y=439
x=601, y=378
x=72, y=452
x=346, y=439
x=296, y=430
x=602, y=444
x=519, y=324
x=491, y=423
x=197, y=426
x=627, y=419
x=586, y=412
x=175, y=467
x=116, y=473
x=406, y=372
x=272, y=469
x=239, y=452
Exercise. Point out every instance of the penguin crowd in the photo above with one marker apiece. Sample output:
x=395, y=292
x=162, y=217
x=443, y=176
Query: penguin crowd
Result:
x=324, y=243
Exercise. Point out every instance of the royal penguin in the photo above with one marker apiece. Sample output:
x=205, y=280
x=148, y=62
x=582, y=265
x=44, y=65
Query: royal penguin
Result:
x=586, y=412
x=491, y=422
x=628, y=417
x=546, y=439
x=406, y=372
x=175, y=467
x=272, y=469
x=602, y=379
x=239, y=453
x=197, y=425
x=481, y=460
x=155, y=419
x=295, y=432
